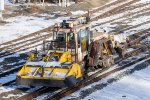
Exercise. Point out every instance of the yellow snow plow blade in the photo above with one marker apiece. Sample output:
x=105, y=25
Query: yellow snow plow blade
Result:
x=56, y=72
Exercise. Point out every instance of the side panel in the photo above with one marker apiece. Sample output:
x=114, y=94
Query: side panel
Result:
x=84, y=41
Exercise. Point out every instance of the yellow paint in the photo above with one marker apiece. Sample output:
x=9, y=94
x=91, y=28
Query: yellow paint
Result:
x=51, y=73
x=73, y=70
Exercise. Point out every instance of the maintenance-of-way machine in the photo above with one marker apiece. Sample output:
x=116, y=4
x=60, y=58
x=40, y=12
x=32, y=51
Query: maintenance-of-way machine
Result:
x=67, y=58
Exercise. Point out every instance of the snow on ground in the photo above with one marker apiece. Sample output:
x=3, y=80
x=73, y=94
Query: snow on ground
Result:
x=141, y=1
x=11, y=87
x=109, y=24
x=133, y=87
x=14, y=87
x=7, y=78
x=44, y=96
x=121, y=17
x=23, y=25
x=119, y=86
x=7, y=2
x=13, y=95
x=13, y=55
x=124, y=13
x=109, y=8
x=14, y=67
x=80, y=12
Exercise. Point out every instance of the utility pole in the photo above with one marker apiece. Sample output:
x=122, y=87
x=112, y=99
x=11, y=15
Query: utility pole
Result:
x=1, y=9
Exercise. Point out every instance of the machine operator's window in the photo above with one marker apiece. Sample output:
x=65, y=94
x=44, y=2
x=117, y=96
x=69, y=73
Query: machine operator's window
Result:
x=60, y=36
x=83, y=40
x=70, y=36
x=79, y=39
x=83, y=33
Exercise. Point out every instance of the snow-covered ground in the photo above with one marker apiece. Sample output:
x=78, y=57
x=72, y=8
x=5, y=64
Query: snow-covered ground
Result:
x=132, y=83
x=125, y=86
x=23, y=25
x=133, y=87
x=110, y=23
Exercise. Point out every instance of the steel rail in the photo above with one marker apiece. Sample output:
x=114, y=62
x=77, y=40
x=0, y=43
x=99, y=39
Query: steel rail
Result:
x=132, y=42
x=127, y=55
x=114, y=9
x=103, y=7
x=13, y=50
x=125, y=45
x=21, y=42
x=51, y=27
x=124, y=9
x=36, y=93
x=135, y=26
x=17, y=49
x=126, y=15
x=139, y=33
x=96, y=78
x=29, y=35
x=35, y=33
x=11, y=70
x=137, y=40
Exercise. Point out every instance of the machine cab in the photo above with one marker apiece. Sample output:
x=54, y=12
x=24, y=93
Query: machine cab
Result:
x=71, y=39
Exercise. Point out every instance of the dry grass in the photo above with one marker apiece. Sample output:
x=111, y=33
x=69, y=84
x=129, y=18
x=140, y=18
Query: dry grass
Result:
x=97, y=2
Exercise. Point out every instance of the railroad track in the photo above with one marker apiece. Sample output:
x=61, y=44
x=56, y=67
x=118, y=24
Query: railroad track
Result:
x=135, y=41
x=51, y=27
x=103, y=7
x=45, y=89
x=89, y=80
x=27, y=36
x=127, y=8
x=12, y=64
x=42, y=90
x=130, y=14
x=16, y=90
x=137, y=9
x=38, y=92
x=129, y=54
x=132, y=7
x=93, y=78
x=10, y=47
x=115, y=9
x=18, y=46
x=135, y=26
x=132, y=42
x=139, y=33
x=111, y=11
x=13, y=70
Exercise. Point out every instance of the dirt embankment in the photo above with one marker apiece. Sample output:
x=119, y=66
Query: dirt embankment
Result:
x=36, y=8
x=88, y=4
